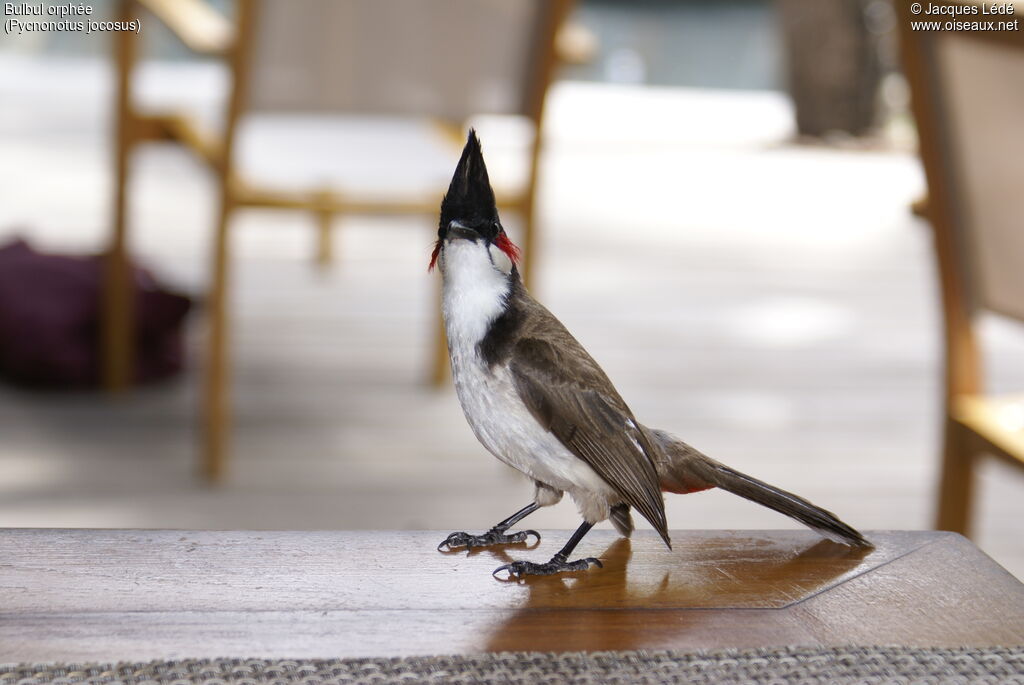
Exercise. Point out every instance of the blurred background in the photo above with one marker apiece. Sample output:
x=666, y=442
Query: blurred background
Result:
x=722, y=215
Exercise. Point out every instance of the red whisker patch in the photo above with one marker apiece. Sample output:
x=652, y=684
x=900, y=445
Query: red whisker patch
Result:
x=433, y=256
x=508, y=247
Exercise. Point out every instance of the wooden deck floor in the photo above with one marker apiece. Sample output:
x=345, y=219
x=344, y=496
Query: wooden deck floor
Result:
x=773, y=304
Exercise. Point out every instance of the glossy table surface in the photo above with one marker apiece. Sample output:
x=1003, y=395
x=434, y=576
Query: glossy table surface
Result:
x=147, y=594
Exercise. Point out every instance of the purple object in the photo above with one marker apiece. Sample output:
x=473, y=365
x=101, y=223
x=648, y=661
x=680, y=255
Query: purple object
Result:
x=50, y=319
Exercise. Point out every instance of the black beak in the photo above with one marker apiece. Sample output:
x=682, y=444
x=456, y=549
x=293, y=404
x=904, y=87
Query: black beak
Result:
x=457, y=230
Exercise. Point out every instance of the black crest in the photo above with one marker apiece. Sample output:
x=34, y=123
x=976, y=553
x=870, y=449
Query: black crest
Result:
x=470, y=199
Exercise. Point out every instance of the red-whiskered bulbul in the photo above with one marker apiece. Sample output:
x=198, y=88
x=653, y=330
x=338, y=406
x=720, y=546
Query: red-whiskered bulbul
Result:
x=538, y=401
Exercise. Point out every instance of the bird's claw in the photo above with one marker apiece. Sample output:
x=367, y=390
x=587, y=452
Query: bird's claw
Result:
x=491, y=537
x=518, y=569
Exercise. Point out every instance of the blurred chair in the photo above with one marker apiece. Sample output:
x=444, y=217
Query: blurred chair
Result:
x=441, y=61
x=968, y=99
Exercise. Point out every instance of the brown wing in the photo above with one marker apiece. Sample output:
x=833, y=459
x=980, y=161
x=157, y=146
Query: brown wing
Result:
x=569, y=394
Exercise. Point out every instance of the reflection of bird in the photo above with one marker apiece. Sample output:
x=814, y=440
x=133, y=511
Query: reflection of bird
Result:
x=712, y=591
x=540, y=403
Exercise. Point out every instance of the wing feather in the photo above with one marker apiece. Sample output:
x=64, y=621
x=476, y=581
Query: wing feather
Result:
x=569, y=394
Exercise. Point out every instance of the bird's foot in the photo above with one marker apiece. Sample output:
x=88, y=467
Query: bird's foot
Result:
x=494, y=536
x=518, y=569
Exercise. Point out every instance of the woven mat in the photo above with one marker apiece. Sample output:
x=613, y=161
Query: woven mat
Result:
x=803, y=665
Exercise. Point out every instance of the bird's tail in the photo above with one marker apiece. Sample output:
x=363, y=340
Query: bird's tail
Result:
x=683, y=469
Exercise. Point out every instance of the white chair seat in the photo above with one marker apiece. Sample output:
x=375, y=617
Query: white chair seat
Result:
x=371, y=157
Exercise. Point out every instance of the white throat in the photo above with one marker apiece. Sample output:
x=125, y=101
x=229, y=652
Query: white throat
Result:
x=474, y=289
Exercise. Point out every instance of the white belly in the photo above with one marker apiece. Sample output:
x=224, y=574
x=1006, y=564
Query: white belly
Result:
x=473, y=296
x=503, y=424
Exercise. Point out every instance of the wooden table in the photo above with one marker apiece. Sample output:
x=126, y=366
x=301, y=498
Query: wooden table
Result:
x=112, y=595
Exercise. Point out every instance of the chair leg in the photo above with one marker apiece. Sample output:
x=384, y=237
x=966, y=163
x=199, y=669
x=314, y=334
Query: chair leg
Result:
x=116, y=316
x=116, y=305
x=217, y=416
x=529, y=246
x=324, y=216
x=528, y=210
x=956, y=482
x=324, y=248
x=440, y=371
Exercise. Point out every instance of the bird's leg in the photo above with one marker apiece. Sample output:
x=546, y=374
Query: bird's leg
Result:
x=496, y=535
x=558, y=563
